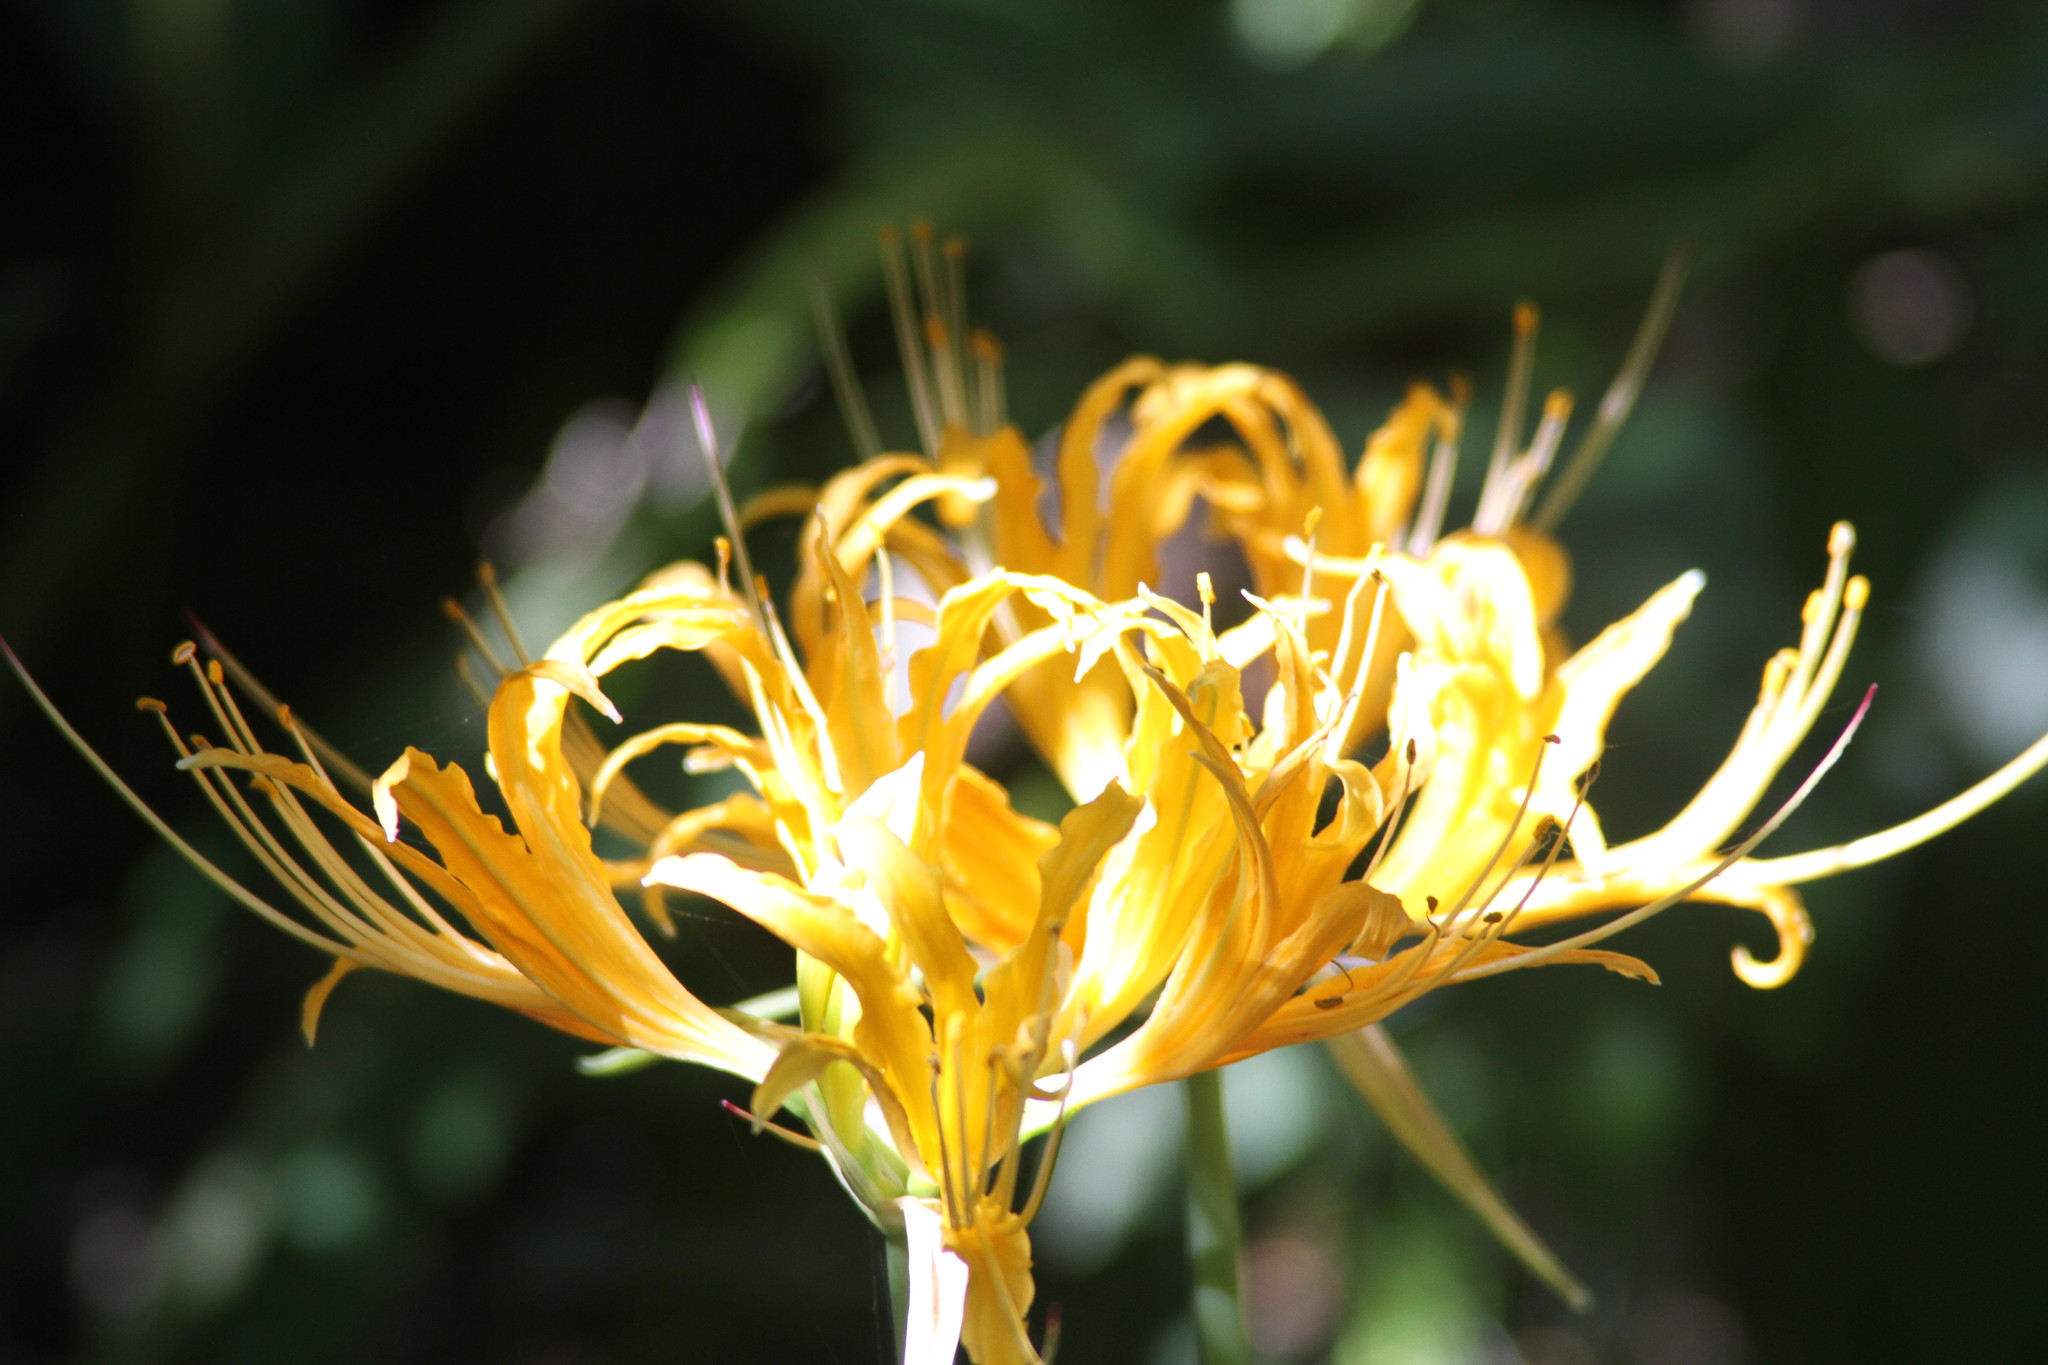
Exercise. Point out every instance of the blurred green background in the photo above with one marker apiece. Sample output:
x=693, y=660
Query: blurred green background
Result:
x=304, y=304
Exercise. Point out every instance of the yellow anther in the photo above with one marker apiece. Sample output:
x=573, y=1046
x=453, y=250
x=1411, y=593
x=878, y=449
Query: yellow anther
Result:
x=284, y=715
x=214, y=674
x=986, y=346
x=182, y=655
x=487, y=573
x=1857, y=594
x=935, y=334
x=151, y=704
x=1525, y=318
x=1778, y=669
x=1205, y=588
x=1310, y=522
x=1841, y=538
x=1558, y=406
x=1813, y=608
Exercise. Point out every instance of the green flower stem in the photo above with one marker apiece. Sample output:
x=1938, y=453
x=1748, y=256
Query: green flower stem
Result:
x=1214, y=1234
x=896, y=1248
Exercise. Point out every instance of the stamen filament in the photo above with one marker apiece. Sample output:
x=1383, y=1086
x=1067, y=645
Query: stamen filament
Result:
x=1550, y=951
x=1508, y=435
x=988, y=355
x=454, y=611
x=206, y=868
x=761, y=1125
x=1620, y=399
x=1436, y=490
x=1393, y=819
x=1873, y=848
x=1514, y=827
x=247, y=681
x=487, y=577
x=903, y=309
x=832, y=348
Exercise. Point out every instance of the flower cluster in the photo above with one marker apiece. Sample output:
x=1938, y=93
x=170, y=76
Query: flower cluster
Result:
x=1372, y=785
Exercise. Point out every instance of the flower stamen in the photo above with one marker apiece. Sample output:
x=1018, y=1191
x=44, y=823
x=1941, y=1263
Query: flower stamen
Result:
x=1614, y=926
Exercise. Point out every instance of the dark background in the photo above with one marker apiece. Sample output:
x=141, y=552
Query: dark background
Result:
x=296, y=295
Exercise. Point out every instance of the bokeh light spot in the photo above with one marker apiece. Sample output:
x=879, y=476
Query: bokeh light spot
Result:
x=1909, y=307
x=330, y=1198
x=1283, y=35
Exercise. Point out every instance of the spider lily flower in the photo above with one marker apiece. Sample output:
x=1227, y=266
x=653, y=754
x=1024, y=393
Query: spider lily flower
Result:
x=1494, y=704
x=936, y=932
x=1195, y=898
x=959, y=964
x=965, y=974
x=1126, y=466
x=1467, y=673
x=866, y=839
x=1140, y=447
x=1126, y=472
x=354, y=920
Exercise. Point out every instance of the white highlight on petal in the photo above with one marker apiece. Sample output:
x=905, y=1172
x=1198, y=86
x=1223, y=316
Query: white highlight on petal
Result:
x=892, y=798
x=938, y=1288
x=383, y=802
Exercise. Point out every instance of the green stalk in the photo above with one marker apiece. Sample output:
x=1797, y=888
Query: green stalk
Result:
x=1214, y=1235
x=896, y=1248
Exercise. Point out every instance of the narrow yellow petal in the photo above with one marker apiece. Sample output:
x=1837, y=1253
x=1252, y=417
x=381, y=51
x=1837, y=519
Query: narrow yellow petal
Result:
x=316, y=998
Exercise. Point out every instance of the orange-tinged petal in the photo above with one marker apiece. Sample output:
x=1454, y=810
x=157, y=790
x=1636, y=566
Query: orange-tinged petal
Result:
x=557, y=921
x=316, y=998
x=852, y=683
x=381, y=935
x=991, y=856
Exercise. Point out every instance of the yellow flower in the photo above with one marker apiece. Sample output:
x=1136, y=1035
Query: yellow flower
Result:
x=1234, y=878
x=866, y=842
x=1227, y=896
x=1149, y=487
x=1229, y=907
